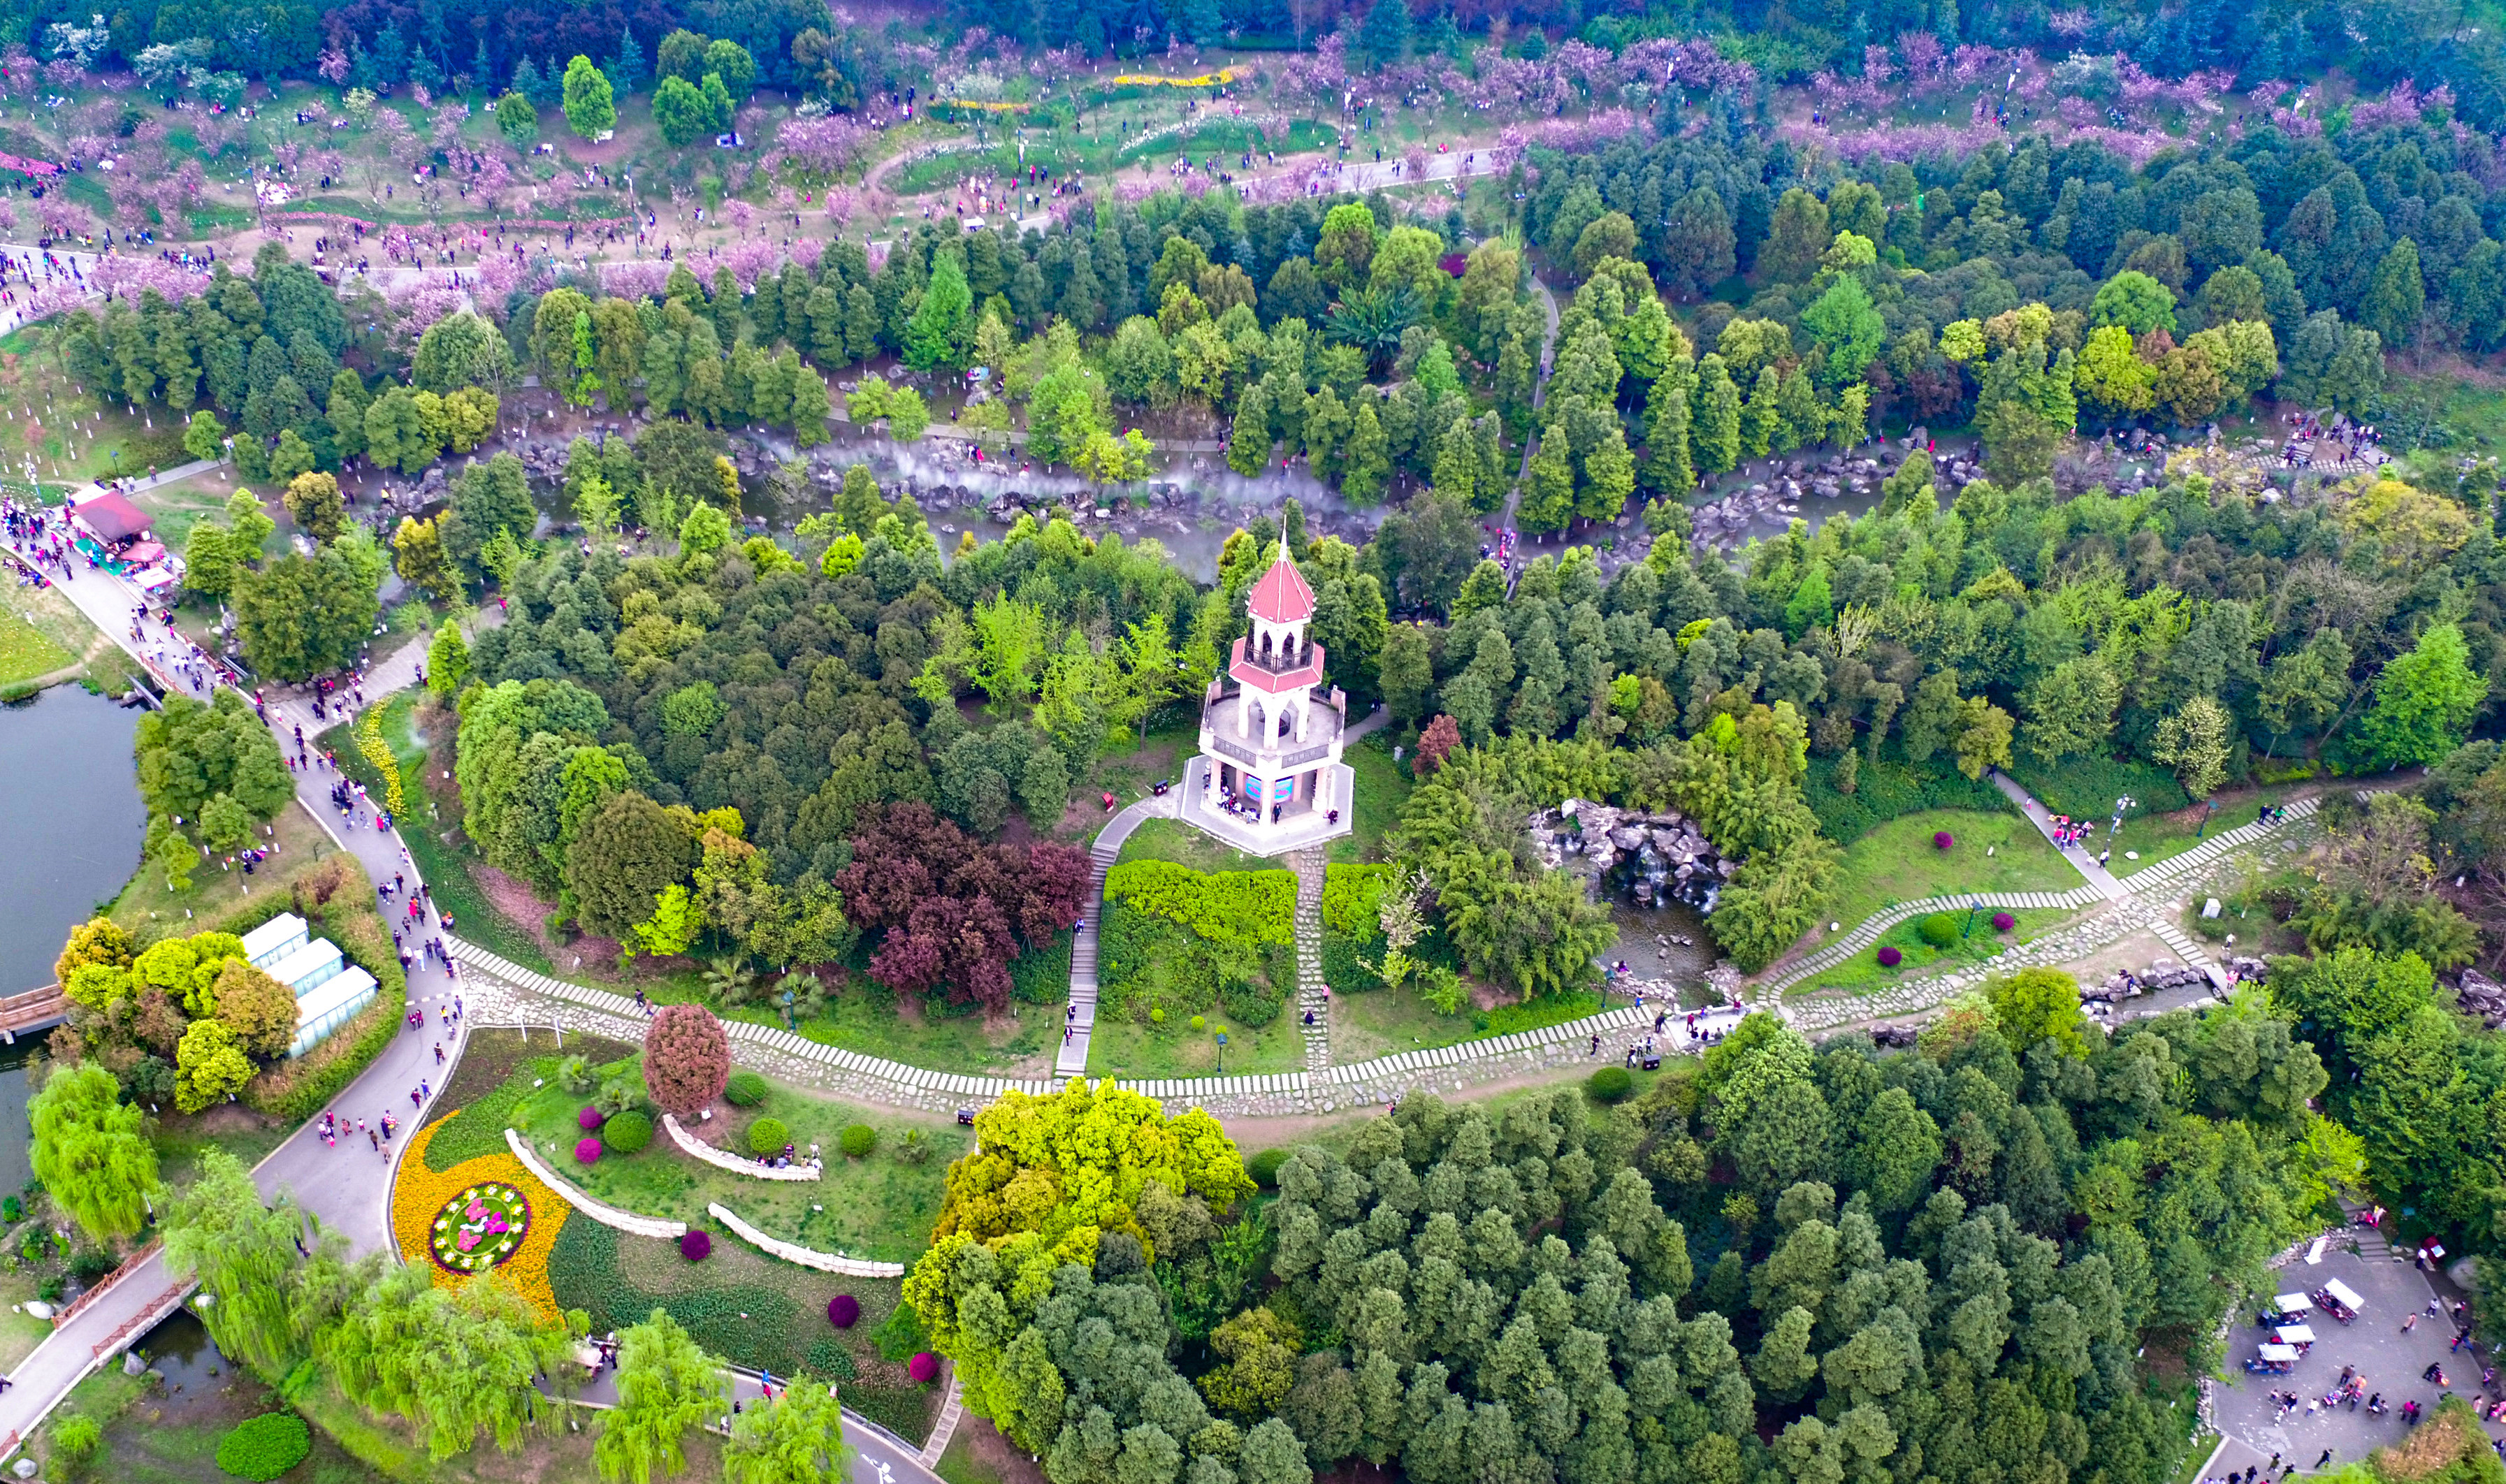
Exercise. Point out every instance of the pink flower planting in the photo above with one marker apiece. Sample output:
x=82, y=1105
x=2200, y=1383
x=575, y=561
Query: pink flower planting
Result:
x=844, y=1311
x=467, y=1240
x=634, y=280
x=588, y=1151
x=923, y=1368
x=1941, y=839
x=696, y=1246
x=820, y=146
x=588, y=1120
x=130, y=277
x=1890, y=958
x=2003, y=922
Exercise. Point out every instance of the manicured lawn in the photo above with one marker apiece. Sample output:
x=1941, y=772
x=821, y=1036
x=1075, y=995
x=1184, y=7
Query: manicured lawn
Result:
x=1862, y=974
x=750, y=1309
x=1132, y=1050
x=877, y=1207
x=866, y=1019
x=2157, y=837
x=25, y=653
x=1897, y=861
x=1171, y=839
x=1383, y=787
x=151, y=912
x=1387, y=1022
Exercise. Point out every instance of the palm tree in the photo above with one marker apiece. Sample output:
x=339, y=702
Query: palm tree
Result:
x=1372, y=320
x=730, y=981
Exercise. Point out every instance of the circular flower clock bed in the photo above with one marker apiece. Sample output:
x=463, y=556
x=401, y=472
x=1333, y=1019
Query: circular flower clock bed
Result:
x=479, y=1228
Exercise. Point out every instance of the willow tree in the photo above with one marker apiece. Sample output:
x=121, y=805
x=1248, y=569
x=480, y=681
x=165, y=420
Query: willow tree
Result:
x=667, y=1385
x=797, y=1438
x=246, y=1257
x=454, y=1362
x=91, y=1152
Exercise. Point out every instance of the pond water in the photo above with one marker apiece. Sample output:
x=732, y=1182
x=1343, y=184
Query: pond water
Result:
x=15, y=1134
x=71, y=822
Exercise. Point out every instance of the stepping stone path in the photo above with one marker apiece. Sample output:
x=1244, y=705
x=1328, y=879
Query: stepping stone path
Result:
x=1313, y=997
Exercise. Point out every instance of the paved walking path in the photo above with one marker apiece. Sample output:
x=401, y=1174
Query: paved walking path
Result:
x=1313, y=996
x=2121, y=906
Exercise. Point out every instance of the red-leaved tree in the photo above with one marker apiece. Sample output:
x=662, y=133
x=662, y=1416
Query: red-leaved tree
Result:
x=687, y=1058
x=948, y=913
x=1441, y=737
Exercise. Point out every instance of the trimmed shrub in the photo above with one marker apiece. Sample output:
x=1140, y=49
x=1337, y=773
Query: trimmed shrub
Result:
x=696, y=1246
x=768, y=1135
x=1941, y=839
x=844, y=1311
x=857, y=1141
x=1610, y=1085
x=687, y=1058
x=265, y=1448
x=1264, y=1168
x=629, y=1133
x=1890, y=958
x=1250, y=907
x=76, y=1437
x=1940, y=929
x=746, y=1090
x=588, y=1151
x=589, y=1121
x=2003, y=922
x=923, y=1368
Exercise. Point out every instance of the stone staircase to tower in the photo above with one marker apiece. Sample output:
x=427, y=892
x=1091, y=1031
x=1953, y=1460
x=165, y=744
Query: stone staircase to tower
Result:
x=1312, y=998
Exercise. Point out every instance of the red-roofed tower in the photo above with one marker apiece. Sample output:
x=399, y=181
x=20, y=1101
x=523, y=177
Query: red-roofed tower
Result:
x=1274, y=739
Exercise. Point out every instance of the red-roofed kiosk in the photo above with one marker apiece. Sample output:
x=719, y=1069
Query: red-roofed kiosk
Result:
x=1271, y=778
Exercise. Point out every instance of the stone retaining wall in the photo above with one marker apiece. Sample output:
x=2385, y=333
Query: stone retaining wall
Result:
x=824, y=1263
x=606, y=1216
x=724, y=1160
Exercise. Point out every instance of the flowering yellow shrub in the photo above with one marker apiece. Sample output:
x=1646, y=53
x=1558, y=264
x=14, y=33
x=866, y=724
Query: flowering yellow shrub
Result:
x=419, y=1194
x=370, y=741
x=1219, y=79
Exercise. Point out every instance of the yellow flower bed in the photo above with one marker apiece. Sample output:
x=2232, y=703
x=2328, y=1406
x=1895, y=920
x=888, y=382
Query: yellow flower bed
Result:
x=370, y=741
x=420, y=1193
x=1219, y=79
x=990, y=108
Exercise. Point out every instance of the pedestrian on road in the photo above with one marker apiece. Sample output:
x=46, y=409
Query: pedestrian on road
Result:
x=2326, y=1458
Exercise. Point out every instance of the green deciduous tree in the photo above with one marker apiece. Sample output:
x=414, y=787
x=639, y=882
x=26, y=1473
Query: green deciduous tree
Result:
x=590, y=108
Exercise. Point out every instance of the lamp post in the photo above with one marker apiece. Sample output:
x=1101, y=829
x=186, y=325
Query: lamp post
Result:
x=1222, y=1050
x=1972, y=908
x=2121, y=804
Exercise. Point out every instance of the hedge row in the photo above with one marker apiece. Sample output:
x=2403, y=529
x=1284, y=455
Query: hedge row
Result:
x=1254, y=908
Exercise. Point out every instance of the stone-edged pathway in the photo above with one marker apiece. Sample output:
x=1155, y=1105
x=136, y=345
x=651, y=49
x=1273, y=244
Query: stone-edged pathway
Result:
x=499, y=993
x=1079, y=1020
x=1313, y=997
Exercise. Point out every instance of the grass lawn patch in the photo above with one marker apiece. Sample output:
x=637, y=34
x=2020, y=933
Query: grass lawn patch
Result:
x=150, y=912
x=26, y=653
x=1386, y=1022
x=867, y=1018
x=1171, y=839
x=879, y=1205
x=1382, y=788
x=1861, y=975
x=1132, y=1049
x=1897, y=861
x=2155, y=837
x=747, y=1308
